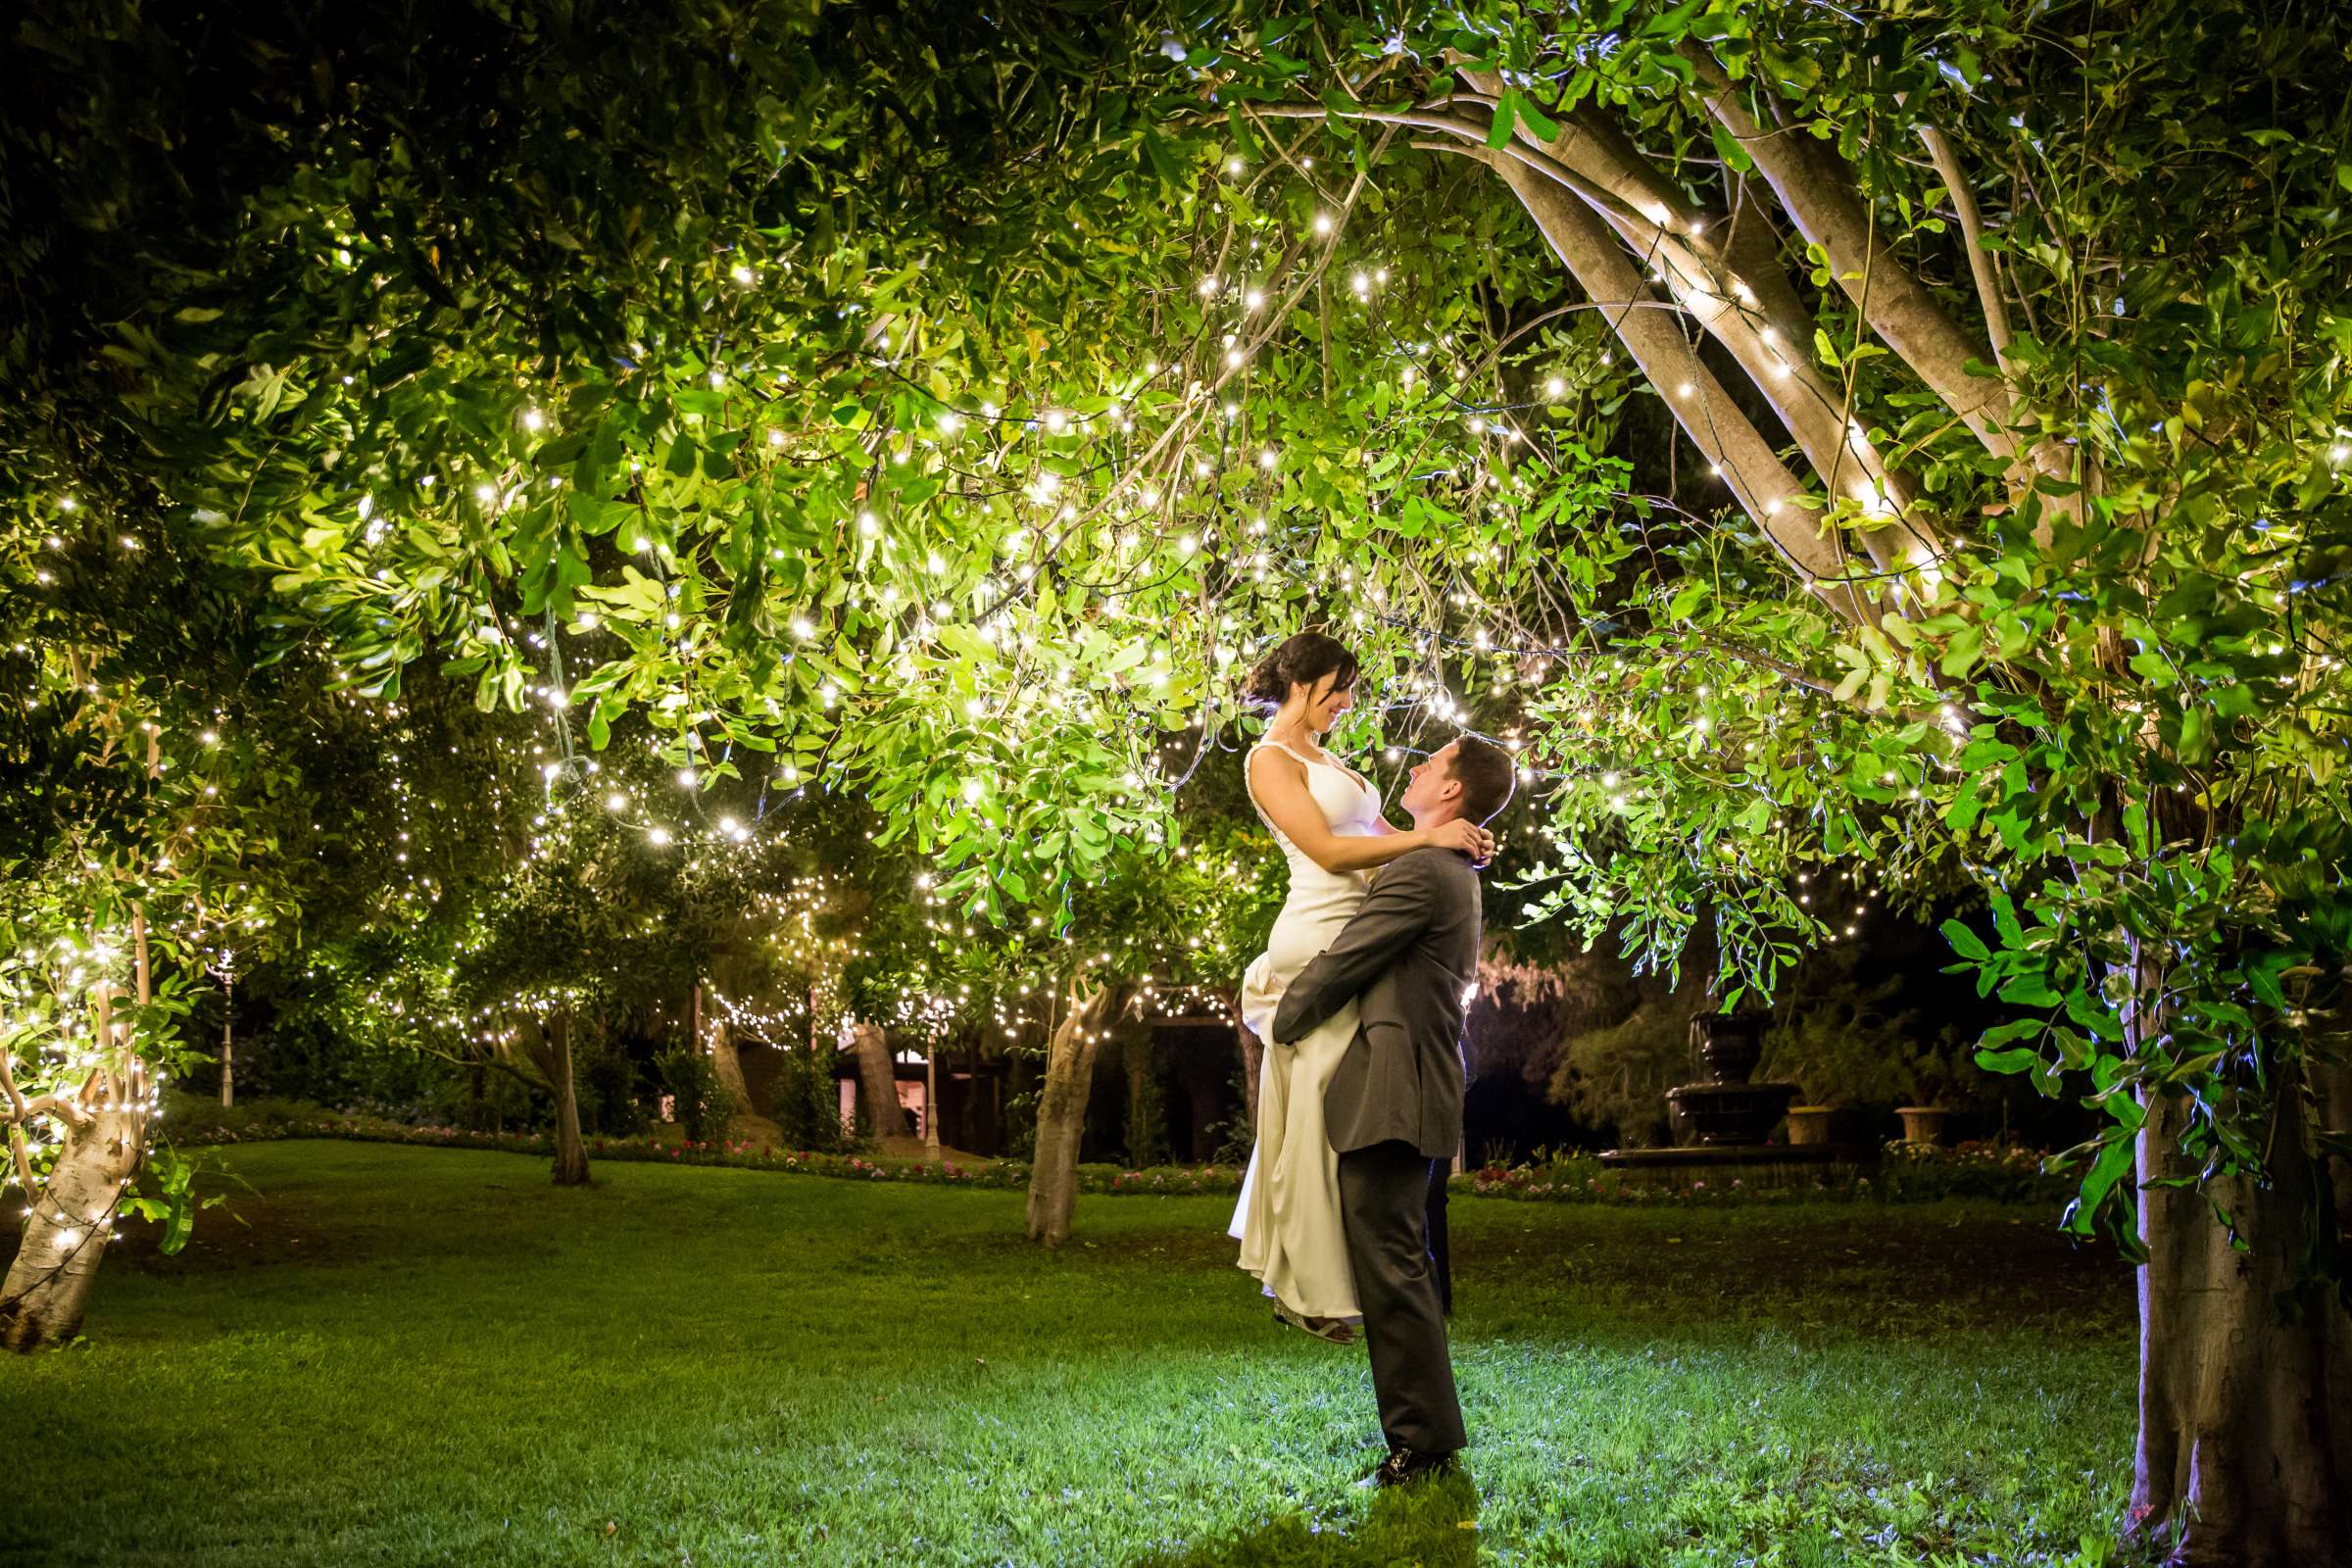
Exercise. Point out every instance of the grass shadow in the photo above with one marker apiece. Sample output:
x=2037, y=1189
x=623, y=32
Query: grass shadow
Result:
x=1430, y=1524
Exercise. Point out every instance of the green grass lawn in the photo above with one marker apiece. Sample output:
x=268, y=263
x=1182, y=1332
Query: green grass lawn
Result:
x=419, y=1357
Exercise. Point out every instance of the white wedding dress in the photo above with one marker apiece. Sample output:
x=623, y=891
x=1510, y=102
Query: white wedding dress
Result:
x=1287, y=1220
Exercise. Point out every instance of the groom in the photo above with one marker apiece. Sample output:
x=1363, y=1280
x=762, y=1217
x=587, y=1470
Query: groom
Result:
x=1409, y=957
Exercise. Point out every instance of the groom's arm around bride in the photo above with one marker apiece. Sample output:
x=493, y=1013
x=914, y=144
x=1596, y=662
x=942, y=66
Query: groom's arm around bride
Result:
x=1416, y=931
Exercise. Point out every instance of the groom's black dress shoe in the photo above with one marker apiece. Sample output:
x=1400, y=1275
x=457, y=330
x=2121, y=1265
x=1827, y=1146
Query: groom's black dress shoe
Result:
x=1403, y=1466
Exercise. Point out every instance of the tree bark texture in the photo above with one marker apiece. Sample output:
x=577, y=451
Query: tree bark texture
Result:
x=572, y=1151
x=1061, y=1109
x=878, y=1079
x=2244, y=1453
x=1824, y=199
x=726, y=1064
x=48, y=1286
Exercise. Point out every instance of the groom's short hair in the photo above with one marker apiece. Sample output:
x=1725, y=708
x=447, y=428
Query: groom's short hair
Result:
x=1485, y=772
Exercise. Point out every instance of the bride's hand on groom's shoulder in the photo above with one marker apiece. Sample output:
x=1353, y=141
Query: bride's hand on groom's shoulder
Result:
x=1465, y=838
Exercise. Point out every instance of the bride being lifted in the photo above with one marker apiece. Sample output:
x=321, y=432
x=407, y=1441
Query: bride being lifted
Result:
x=1326, y=818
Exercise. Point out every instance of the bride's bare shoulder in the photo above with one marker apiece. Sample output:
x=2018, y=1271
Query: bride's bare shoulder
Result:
x=1273, y=760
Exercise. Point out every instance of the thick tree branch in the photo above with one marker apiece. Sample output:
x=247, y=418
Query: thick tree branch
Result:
x=1764, y=486
x=57, y=1106
x=499, y=1063
x=21, y=1110
x=1972, y=231
x=1754, y=314
x=1751, y=243
x=24, y=1160
x=1821, y=197
x=1432, y=119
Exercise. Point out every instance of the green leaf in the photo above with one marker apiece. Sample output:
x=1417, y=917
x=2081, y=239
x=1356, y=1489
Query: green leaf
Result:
x=179, y=1226
x=1499, y=130
x=2114, y=1161
x=1965, y=941
x=1729, y=150
x=1961, y=653
x=2029, y=991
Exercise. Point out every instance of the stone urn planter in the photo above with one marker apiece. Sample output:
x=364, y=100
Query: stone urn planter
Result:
x=1922, y=1124
x=1809, y=1124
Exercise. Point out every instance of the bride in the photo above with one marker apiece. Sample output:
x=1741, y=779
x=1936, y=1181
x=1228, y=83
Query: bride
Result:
x=1326, y=817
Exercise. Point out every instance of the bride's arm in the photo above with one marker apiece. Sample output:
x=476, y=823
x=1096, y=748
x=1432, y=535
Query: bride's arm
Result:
x=1279, y=781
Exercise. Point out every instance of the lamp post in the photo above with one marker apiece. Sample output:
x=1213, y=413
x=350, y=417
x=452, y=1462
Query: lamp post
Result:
x=930, y=1100
x=224, y=964
x=228, y=1003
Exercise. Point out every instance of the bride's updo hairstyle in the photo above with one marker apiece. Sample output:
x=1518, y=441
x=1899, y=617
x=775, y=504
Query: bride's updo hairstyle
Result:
x=1299, y=660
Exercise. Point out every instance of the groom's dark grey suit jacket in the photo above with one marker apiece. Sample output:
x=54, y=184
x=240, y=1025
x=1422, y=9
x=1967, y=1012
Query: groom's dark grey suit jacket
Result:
x=1409, y=957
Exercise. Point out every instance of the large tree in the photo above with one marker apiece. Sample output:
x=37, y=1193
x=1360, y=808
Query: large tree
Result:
x=2016, y=343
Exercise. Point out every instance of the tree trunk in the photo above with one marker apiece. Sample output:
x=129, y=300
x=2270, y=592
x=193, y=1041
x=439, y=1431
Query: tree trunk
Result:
x=878, y=1079
x=571, y=1152
x=726, y=1065
x=48, y=1287
x=2245, y=1375
x=1061, y=1109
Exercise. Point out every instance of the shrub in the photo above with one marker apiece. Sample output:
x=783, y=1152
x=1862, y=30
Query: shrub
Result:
x=704, y=1105
x=1845, y=1044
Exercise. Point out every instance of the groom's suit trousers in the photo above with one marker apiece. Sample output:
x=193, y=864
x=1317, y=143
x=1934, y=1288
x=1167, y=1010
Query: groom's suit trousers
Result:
x=1384, y=1195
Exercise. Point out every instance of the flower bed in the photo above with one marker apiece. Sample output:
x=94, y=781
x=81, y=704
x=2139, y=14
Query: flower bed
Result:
x=1905, y=1173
